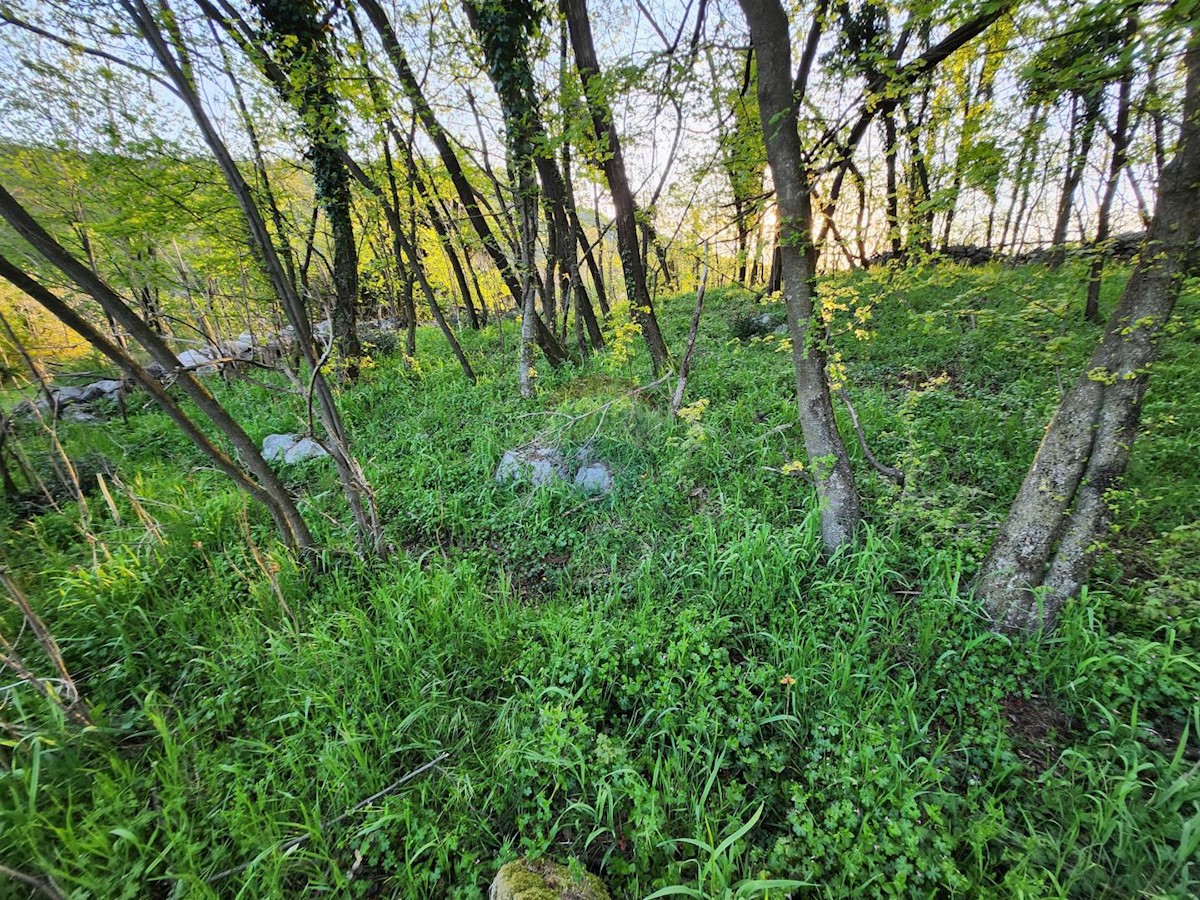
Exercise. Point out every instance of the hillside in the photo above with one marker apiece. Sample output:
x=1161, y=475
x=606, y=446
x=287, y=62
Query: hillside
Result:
x=669, y=683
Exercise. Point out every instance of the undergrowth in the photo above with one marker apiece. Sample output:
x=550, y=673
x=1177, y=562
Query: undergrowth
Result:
x=668, y=684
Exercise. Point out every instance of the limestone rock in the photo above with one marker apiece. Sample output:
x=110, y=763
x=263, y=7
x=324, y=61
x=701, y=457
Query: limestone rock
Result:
x=540, y=879
x=196, y=359
x=532, y=465
x=595, y=477
x=291, y=448
x=66, y=395
x=303, y=450
x=107, y=388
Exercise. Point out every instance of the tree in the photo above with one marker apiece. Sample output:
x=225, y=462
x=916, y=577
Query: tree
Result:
x=467, y=195
x=502, y=30
x=613, y=164
x=256, y=476
x=836, y=490
x=1044, y=549
x=300, y=70
x=173, y=57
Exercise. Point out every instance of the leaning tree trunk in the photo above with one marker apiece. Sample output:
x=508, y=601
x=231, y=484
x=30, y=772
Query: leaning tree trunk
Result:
x=836, y=490
x=260, y=481
x=359, y=496
x=1046, y=545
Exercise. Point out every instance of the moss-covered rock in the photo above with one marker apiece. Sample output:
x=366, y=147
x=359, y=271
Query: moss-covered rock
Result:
x=540, y=879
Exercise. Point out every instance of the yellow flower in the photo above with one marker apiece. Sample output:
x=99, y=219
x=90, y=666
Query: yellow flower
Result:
x=795, y=467
x=787, y=680
x=694, y=411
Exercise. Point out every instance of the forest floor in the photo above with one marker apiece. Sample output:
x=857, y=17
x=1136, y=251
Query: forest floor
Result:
x=668, y=684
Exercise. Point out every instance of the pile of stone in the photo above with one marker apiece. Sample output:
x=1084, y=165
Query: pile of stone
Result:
x=69, y=402
x=538, y=466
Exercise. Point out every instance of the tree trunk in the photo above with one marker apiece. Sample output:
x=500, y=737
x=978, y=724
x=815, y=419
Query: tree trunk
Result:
x=613, y=164
x=836, y=490
x=892, y=213
x=300, y=42
x=262, y=482
x=1022, y=177
x=454, y=169
x=1083, y=130
x=357, y=491
x=1120, y=142
x=1045, y=547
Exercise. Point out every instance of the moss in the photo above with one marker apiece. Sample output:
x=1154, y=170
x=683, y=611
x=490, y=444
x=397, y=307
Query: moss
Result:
x=541, y=879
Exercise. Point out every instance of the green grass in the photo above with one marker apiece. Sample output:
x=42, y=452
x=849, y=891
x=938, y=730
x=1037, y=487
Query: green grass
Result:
x=670, y=684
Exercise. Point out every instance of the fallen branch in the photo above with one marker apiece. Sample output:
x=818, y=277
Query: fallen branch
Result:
x=602, y=409
x=292, y=843
x=46, y=887
x=893, y=475
x=74, y=707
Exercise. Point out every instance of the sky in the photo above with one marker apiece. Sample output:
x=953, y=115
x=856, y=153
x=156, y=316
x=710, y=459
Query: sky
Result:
x=37, y=105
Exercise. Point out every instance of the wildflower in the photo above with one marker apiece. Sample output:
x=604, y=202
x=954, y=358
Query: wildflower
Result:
x=787, y=680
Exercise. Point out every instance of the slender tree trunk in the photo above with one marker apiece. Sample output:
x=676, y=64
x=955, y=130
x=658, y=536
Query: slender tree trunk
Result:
x=920, y=233
x=836, y=490
x=262, y=482
x=358, y=493
x=1083, y=131
x=1120, y=142
x=405, y=249
x=1045, y=547
x=613, y=164
x=892, y=213
x=441, y=141
x=1022, y=177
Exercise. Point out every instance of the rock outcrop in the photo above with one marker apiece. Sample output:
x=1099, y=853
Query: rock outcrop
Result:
x=541, y=879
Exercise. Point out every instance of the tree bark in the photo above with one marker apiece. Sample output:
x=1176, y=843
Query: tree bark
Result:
x=613, y=164
x=1045, y=548
x=837, y=493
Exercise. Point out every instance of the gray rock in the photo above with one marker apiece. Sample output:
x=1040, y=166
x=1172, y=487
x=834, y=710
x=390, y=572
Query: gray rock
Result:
x=781, y=329
x=595, y=478
x=68, y=395
x=532, y=465
x=75, y=414
x=303, y=450
x=276, y=445
x=97, y=390
x=291, y=448
x=196, y=359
